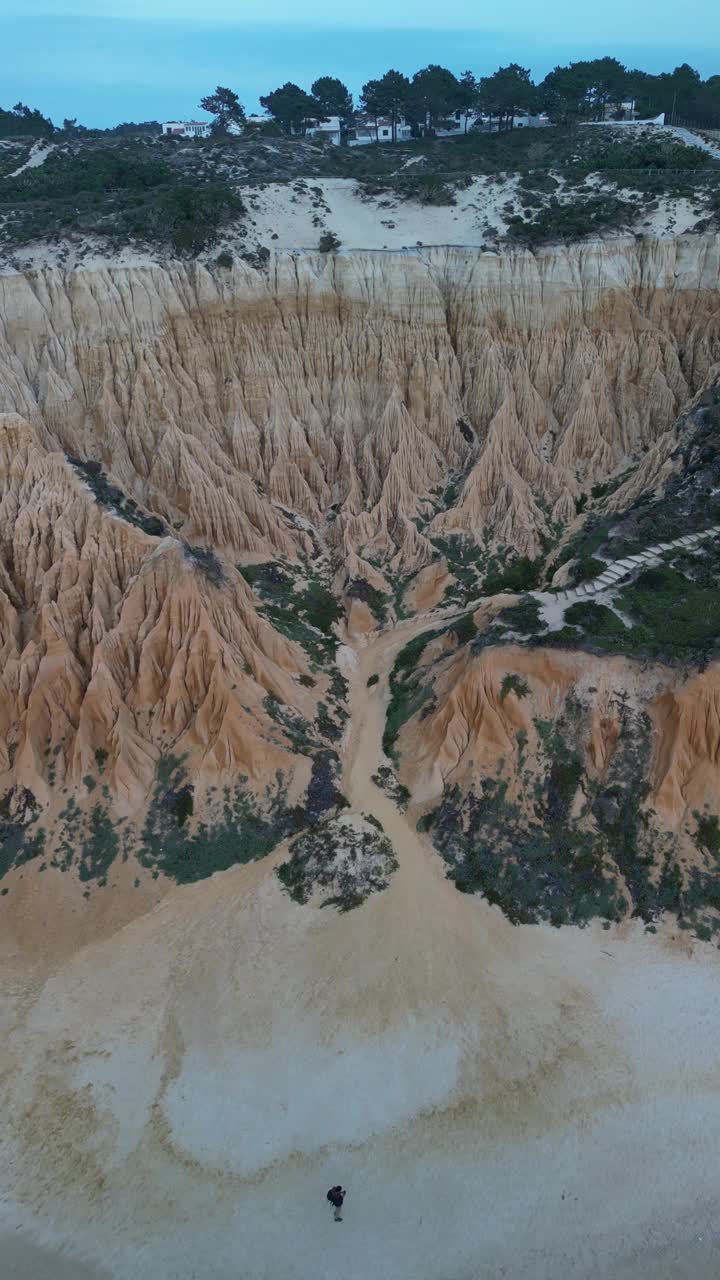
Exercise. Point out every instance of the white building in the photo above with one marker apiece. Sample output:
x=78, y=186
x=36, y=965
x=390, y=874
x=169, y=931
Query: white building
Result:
x=531, y=122
x=186, y=129
x=329, y=129
x=627, y=108
x=456, y=124
x=623, y=124
x=491, y=124
x=367, y=129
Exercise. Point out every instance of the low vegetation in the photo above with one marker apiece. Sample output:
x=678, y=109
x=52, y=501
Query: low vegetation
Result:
x=126, y=192
x=298, y=604
x=377, y=601
x=574, y=219
x=239, y=827
x=523, y=618
x=387, y=781
x=670, y=612
x=112, y=498
x=348, y=858
x=512, y=683
x=409, y=690
x=329, y=242
x=22, y=839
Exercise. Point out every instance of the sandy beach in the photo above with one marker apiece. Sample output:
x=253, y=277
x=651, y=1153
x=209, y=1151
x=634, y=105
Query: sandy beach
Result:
x=499, y=1101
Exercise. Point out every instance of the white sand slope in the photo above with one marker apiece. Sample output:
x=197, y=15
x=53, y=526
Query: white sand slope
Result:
x=378, y=222
x=294, y=216
x=38, y=156
x=499, y=1101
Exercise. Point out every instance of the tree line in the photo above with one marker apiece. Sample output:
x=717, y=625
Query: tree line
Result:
x=584, y=90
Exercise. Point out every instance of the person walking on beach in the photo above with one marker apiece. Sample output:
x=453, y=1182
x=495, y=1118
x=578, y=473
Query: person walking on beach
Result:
x=336, y=1195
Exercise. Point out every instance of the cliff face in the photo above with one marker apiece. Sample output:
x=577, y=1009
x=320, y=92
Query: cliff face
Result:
x=334, y=386
x=487, y=708
x=117, y=646
x=564, y=785
x=160, y=427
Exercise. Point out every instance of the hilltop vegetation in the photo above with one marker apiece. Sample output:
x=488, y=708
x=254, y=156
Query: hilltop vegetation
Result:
x=182, y=197
x=123, y=192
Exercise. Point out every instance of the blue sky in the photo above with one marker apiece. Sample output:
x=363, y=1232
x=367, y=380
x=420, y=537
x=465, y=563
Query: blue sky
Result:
x=110, y=60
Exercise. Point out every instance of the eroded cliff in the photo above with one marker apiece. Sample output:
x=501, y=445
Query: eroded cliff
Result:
x=389, y=431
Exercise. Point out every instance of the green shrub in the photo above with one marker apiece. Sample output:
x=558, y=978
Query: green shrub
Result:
x=585, y=568
x=423, y=188
x=20, y=842
x=244, y=829
x=305, y=614
x=329, y=242
x=377, y=601
x=99, y=846
x=674, y=616
x=596, y=619
x=523, y=617
x=533, y=860
x=350, y=863
x=406, y=694
x=320, y=607
x=707, y=835
x=426, y=821
x=520, y=576
x=513, y=684
x=121, y=192
x=465, y=629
